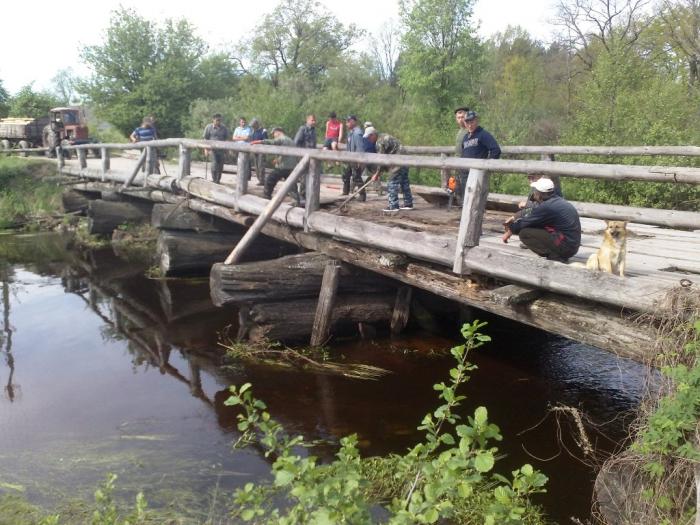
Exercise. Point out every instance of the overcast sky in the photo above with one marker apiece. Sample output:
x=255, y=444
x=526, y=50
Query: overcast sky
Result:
x=47, y=36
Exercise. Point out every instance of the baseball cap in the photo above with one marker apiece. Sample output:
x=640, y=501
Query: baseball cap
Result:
x=351, y=117
x=369, y=131
x=471, y=115
x=462, y=108
x=543, y=185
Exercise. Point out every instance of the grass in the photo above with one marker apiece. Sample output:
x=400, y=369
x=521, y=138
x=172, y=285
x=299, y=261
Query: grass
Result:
x=26, y=197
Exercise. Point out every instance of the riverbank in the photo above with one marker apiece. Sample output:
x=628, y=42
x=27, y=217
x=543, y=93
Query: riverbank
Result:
x=30, y=193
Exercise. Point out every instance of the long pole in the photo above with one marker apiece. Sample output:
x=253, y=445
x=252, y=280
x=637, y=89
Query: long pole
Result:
x=269, y=210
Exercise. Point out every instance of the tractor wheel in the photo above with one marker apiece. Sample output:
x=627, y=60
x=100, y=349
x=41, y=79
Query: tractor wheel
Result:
x=5, y=144
x=23, y=144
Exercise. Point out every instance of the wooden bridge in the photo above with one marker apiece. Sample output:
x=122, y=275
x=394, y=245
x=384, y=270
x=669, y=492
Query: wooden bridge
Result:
x=455, y=254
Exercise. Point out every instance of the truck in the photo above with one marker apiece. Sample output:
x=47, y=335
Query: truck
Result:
x=63, y=126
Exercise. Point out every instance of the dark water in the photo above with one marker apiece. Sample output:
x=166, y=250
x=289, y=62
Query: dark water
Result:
x=103, y=370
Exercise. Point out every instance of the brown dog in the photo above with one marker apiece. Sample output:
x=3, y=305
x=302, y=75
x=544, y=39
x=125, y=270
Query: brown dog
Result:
x=612, y=253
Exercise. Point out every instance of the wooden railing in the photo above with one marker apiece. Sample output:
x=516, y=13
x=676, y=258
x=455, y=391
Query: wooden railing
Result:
x=462, y=254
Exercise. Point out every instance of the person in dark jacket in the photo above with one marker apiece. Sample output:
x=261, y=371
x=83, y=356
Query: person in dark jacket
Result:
x=476, y=144
x=216, y=131
x=552, y=229
x=353, y=171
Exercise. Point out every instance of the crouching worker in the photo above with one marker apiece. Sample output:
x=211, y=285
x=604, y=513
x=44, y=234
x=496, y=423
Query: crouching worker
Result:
x=283, y=164
x=552, y=229
x=398, y=175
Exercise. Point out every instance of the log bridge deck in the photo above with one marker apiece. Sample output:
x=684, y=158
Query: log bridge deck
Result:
x=456, y=254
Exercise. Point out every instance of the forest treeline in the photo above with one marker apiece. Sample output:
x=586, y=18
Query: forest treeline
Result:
x=620, y=72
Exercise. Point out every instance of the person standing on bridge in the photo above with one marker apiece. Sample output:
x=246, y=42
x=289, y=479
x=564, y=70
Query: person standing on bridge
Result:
x=476, y=144
x=306, y=138
x=243, y=131
x=216, y=131
x=284, y=164
x=353, y=171
x=146, y=133
x=552, y=229
x=398, y=179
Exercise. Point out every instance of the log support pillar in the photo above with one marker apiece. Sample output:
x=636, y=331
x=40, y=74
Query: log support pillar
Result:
x=473, y=208
x=402, y=308
x=139, y=165
x=444, y=173
x=151, y=160
x=326, y=300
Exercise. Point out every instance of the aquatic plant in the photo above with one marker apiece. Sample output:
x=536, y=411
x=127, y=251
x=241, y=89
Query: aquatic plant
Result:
x=447, y=476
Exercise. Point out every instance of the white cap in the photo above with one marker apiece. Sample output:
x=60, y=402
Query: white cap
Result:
x=369, y=131
x=543, y=185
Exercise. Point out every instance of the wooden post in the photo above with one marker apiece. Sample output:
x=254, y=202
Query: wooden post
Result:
x=402, y=308
x=444, y=173
x=243, y=168
x=139, y=164
x=82, y=158
x=269, y=210
x=60, y=158
x=326, y=299
x=151, y=159
x=313, y=191
x=473, y=208
x=104, y=154
x=185, y=162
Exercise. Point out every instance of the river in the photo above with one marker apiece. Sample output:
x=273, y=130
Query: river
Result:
x=104, y=370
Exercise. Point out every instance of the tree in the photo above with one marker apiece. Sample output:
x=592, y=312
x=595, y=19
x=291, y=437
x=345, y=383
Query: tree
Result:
x=64, y=86
x=441, y=57
x=298, y=37
x=30, y=103
x=681, y=27
x=4, y=101
x=143, y=68
x=385, y=49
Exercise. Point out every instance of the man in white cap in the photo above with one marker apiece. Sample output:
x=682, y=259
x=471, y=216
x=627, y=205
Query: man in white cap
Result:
x=552, y=229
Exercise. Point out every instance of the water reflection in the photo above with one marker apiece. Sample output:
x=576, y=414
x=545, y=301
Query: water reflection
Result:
x=128, y=370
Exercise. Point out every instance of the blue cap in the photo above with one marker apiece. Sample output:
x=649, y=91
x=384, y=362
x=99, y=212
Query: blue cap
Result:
x=471, y=115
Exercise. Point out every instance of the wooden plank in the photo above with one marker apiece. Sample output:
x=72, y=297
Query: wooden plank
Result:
x=513, y=294
x=313, y=191
x=185, y=162
x=104, y=161
x=402, y=309
x=82, y=158
x=243, y=168
x=473, y=209
x=326, y=299
x=276, y=200
x=134, y=173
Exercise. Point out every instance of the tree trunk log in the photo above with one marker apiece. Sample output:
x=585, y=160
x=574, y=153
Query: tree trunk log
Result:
x=75, y=201
x=293, y=320
x=180, y=217
x=105, y=216
x=183, y=252
x=290, y=277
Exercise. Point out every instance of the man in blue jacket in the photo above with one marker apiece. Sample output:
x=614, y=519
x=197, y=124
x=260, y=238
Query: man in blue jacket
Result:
x=476, y=144
x=552, y=229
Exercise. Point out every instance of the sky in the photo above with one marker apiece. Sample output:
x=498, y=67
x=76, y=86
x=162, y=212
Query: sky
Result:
x=50, y=34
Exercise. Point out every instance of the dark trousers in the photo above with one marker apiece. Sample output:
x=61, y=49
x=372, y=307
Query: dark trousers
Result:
x=273, y=178
x=353, y=173
x=399, y=181
x=544, y=244
x=259, y=161
x=462, y=177
x=217, y=165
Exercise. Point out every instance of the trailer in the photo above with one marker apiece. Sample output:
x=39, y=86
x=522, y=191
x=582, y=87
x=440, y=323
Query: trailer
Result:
x=22, y=132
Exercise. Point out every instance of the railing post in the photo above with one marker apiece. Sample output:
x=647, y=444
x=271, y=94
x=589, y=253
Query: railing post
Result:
x=104, y=157
x=444, y=173
x=82, y=158
x=151, y=159
x=473, y=208
x=185, y=162
x=313, y=191
x=243, y=169
x=60, y=158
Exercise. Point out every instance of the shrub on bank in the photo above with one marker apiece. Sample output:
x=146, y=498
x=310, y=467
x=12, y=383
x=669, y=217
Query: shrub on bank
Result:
x=25, y=194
